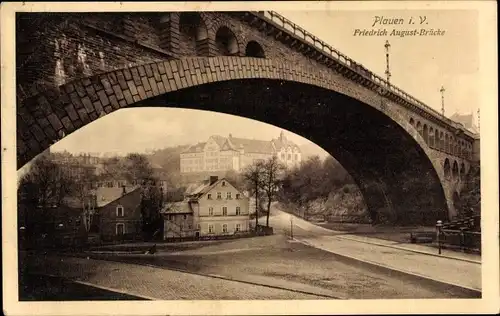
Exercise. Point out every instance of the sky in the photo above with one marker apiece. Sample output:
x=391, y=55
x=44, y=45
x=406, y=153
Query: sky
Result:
x=420, y=65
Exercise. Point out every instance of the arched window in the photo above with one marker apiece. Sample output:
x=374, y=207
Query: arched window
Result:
x=462, y=172
x=441, y=141
x=226, y=42
x=254, y=49
x=454, y=171
x=447, y=169
x=446, y=143
x=412, y=122
x=431, y=137
x=426, y=134
x=419, y=128
x=194, y=35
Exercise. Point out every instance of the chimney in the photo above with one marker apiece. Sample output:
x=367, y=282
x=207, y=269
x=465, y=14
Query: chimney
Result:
x=213, y=179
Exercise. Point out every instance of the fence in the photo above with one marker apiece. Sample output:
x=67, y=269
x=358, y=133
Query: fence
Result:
x=461, y=239
x=288, y=26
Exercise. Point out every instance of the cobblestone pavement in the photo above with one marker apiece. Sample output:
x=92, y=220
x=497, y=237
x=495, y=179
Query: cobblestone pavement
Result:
x=153, y=282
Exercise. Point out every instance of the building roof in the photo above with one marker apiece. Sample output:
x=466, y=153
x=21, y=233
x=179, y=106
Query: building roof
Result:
x=248, y=145
x=104, y=196
x=220, y=140
x=177, y=208
x=251, y=145
x=204, y=188
x=197, y=148
x=467, y=120
x=282, y=141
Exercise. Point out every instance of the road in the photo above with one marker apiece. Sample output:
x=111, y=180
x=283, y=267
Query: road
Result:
x=451, y=271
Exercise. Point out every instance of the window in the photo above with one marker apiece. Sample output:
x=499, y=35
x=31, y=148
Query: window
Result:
x=224, y=211
x=296, y=157
x=283, y=156
x=289, y=156
x=170, y=217
x=219, y=195
x=109, y=184
x=198, y=227
x=238, y=210
x=209, y=196
x=224, y=228
x=229, y=196
x=223, y=183
x=210, y=211
x=237, y=196
x=120, y=212
x=185, y=216
x=238, y=227
x=120, y=229
x=210, y=228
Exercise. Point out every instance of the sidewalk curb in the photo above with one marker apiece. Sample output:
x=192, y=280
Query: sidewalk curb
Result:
x=393, y=269
x=411, y=250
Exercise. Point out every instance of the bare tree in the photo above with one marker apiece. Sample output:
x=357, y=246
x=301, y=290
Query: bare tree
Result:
x=253, y=175
x=272, y=172
x=43, y=187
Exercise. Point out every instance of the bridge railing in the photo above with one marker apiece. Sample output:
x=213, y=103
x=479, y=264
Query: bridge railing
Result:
x=288, y=25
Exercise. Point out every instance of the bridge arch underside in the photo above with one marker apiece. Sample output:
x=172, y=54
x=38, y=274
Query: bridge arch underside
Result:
x=395, y=175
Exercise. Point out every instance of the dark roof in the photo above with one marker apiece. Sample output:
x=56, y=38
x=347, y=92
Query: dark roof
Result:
x=104, y=195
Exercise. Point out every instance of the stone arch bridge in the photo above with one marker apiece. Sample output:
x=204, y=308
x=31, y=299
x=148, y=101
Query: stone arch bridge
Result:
x=73, y=68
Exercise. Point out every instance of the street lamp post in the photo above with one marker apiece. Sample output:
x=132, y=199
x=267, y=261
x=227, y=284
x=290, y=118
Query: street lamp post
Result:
x=387, y=69
x=478, y=121
x=439, y=225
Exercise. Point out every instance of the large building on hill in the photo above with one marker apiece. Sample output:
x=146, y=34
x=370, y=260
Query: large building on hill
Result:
x=230, y=153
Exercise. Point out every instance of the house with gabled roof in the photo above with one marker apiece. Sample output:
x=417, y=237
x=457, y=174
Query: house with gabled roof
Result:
x=232, y=153
x=213, y=207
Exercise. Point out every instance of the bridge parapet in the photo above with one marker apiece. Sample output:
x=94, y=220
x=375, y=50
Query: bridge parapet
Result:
x=288, y=26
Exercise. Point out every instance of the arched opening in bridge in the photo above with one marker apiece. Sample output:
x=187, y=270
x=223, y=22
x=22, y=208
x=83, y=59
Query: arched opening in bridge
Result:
x=391, y=166
x=441, y=141
x=412, y=122
x=447, y=169
x=419, y=128
x=254, y=49
x=462, y=172
x=226, y=42
x=431, y=137
x=194, y=35
x=454, y=171
x=446, y=143
x=426, y=134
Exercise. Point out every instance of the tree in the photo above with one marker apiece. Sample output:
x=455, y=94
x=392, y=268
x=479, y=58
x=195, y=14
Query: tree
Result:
x=44, y=186
x=271, y=179
x=253, y=175
x=83, y=188
x=137, y=168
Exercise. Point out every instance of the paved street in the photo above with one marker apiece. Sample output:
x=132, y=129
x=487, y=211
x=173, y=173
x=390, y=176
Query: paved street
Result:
x=407, y=258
